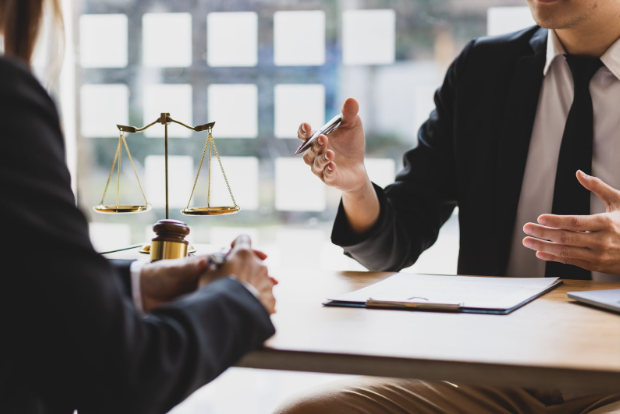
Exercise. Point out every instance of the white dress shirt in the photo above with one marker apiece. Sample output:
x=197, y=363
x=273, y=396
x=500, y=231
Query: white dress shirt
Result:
x=556, y=97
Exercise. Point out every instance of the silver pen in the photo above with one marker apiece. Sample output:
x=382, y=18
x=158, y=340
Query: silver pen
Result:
x=324, y=130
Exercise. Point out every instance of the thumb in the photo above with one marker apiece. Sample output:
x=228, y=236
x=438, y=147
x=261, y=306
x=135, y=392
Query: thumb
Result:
x=350, y=110
x=609, y=195
x=242, y=242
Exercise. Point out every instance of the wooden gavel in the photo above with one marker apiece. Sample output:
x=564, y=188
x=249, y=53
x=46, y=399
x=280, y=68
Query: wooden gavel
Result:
x=169, y=242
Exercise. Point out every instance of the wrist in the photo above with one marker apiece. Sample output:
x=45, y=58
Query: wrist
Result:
x=362, y=208
x=361, y=192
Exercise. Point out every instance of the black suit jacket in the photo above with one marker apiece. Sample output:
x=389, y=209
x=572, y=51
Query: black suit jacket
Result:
x=71, y=338
x=471, y=152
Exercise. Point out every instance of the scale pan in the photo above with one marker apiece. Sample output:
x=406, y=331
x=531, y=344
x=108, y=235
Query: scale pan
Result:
x=210, y=211
x=121, y=209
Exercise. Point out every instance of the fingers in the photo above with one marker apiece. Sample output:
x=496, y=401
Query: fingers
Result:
x=559, y=250
x=330, y=173
x=350, y=108
x=321, y=161
x=609, y=195
x=265, y=289
x=566, y=260
x=304, y=132
x=261, y=255
x=560, y=236
x=317, y=148
x=594, y=222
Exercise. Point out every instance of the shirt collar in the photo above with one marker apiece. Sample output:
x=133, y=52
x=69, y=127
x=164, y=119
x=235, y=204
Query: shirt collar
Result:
x=554, y=49
x=611, y=58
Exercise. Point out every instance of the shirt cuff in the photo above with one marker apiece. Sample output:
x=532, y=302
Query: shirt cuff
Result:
x=246, y=285
x=135, y=269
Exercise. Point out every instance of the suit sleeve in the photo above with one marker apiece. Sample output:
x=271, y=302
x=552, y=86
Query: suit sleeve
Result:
x=422, y=198
x=80, y=339
x=123, y=270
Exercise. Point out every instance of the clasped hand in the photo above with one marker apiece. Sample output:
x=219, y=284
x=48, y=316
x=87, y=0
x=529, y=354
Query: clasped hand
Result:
x=166, y=280
x=591, y=242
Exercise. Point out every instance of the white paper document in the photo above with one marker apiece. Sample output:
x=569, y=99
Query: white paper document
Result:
x=483, y=293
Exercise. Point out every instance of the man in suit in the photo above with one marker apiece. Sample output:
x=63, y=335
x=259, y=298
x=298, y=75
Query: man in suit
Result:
x=523, y=123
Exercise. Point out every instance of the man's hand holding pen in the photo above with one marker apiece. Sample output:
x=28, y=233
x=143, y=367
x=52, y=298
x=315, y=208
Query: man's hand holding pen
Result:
x=338, y=160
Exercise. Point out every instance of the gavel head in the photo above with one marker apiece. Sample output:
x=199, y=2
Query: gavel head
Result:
x=169, y=242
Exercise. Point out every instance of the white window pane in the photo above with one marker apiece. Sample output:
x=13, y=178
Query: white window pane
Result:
x=297, y=189
x=167, y=39
x=102, y=108
x=242, y=174
x=173, y=99
x=223, y=236
x=234, y=108
x=181, y=176
x=381, y=171
x=103, y=40
x=299, y=38
x=502, y=20
x=368, y=37
x=232, y=39
x=295, y=104
x=109, y=236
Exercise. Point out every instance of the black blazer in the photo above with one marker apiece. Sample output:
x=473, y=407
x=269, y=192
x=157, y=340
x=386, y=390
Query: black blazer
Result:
x=71, y=338
x=471, y=152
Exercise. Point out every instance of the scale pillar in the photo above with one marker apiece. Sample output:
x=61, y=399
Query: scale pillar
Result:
x=164, y=120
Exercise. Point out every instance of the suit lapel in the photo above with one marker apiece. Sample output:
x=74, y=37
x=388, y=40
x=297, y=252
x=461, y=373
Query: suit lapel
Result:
x=517, y=125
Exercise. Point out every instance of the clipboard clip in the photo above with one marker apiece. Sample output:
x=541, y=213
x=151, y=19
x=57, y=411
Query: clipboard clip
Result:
x=393, y=304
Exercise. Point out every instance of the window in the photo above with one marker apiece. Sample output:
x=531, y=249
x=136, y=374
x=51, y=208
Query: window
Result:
x=258, y=70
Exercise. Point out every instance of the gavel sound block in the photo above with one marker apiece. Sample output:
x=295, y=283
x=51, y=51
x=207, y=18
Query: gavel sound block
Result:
x=170, y=241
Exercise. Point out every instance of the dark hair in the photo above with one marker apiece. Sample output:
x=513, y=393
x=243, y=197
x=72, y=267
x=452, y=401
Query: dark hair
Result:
x=20, y=21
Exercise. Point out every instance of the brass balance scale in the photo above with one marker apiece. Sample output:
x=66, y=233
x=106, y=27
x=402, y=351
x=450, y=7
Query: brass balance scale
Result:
x=170, y=242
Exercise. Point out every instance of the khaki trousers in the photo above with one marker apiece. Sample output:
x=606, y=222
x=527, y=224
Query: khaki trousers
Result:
x=366, y=395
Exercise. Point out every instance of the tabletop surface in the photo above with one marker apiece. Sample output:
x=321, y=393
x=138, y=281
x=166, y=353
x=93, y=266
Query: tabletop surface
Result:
x=550, y=339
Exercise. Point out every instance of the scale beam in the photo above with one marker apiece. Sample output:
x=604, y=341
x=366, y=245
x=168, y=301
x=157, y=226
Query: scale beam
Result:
x=165, y=119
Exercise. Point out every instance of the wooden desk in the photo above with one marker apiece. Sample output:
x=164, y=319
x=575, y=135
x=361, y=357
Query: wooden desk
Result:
x=551, y=342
